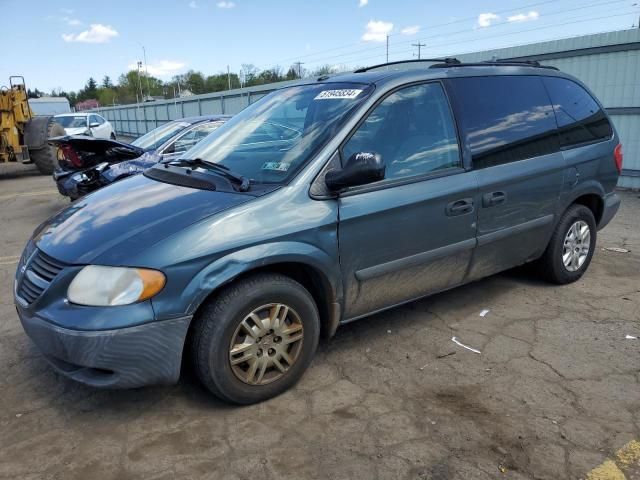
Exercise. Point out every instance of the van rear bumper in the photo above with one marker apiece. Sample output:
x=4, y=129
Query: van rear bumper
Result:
x=611, y=206
x=148, y=354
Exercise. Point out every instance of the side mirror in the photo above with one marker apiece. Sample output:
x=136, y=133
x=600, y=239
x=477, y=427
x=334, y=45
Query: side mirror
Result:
x=361, y=168
x=94, y=124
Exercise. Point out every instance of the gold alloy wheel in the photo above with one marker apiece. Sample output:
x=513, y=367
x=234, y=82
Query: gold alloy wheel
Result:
x=266, y=344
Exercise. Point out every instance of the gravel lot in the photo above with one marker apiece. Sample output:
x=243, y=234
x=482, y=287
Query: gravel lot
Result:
x=554, y=393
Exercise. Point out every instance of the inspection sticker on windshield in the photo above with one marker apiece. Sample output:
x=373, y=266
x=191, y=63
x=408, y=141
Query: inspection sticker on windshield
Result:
x=348, y=93
x=276, y=166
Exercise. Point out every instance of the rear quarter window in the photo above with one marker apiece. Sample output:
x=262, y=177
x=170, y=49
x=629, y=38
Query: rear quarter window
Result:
x=504, y=118
x=580, y=118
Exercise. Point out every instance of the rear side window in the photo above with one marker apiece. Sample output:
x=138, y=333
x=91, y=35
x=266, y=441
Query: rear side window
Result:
x=505, y=118
x=580, y=118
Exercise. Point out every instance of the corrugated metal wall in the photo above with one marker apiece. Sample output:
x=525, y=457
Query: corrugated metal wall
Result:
x=609, y=63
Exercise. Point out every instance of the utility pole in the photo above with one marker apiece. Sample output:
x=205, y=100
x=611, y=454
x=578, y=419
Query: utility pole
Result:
x=299, y=64
x=229, y=77
x=146, y=70
x=140, y=80
x=387, y=48
x=419, y=45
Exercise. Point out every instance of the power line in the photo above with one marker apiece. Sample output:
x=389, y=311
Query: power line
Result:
x=453, y=22
x=510, y=33
x=437, y=36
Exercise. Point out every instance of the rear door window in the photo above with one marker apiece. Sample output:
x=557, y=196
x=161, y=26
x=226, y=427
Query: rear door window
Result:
x=580, y=118
x=505, y=118
x=412, y=129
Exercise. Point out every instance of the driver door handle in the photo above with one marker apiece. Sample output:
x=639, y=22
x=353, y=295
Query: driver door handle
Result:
x=460, y=207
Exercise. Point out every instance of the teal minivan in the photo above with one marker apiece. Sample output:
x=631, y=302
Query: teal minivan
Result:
x=320, y=204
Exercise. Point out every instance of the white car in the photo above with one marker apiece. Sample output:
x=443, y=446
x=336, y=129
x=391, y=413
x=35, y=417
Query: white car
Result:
x=90, y=124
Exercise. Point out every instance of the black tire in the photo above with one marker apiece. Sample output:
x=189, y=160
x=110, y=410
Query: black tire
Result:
x=113, y=136
x=46, y=158
x=218, y=322
x=551, y=264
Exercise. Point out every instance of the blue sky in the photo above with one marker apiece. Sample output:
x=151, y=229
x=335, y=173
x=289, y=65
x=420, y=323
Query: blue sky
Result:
x=67, y=41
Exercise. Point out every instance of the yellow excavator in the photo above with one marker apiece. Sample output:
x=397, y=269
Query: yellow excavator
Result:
x=23, y=135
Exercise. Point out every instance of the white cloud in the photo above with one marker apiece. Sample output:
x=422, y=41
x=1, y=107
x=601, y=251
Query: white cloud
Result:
x=524, y=17
x=363, y=3
x=163, y=68
x=225, y=4
x=97, y=33
x=68, y=11
x=193, y=4
x=486, y=19
x=411, y=30
x=72, y=22
x=377, y=31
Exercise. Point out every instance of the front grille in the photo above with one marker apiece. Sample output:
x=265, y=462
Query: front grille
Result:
x=36, y=275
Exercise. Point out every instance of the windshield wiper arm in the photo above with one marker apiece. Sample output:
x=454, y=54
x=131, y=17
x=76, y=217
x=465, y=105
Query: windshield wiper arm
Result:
x=244, y=182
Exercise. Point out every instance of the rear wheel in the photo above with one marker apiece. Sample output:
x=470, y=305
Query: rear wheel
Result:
x=571, y=247
x=255, y=339
x=45, y=158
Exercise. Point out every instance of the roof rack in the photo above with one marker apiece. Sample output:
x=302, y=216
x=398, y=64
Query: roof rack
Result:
x=501, y=63
x=447, y=61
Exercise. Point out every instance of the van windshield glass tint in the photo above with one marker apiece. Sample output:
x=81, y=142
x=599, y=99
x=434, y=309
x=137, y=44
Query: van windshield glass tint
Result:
x=505, y=118
x=269, y=141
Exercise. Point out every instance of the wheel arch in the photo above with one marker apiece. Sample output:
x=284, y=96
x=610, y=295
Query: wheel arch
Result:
x=591, y=196
x=306, y=264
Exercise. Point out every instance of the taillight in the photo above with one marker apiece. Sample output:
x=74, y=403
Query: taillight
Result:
x=70, y=155
x=617, y=157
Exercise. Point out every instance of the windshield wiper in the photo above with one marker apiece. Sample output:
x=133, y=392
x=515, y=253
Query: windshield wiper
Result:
x=243, y=182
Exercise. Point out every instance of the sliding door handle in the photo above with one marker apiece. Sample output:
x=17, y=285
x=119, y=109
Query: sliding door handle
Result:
x=493, y=198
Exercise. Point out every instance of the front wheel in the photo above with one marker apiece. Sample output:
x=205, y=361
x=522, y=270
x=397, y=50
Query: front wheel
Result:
x=255, y=339
x=571, y=246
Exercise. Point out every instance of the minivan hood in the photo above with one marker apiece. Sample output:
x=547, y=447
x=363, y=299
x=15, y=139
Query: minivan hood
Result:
x=113, y=224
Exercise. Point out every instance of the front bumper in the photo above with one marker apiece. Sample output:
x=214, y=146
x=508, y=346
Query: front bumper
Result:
x=611, y=206
x=148, y=354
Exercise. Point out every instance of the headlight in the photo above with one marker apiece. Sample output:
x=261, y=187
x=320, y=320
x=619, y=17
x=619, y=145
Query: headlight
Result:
x=102, y=286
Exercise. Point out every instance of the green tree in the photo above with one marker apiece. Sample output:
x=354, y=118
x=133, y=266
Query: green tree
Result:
x=106, y=82
x=292, y=73
x=107, y=96
x=323, y=70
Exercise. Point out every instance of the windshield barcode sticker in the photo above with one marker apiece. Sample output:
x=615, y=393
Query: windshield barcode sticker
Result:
x=349, y=93
x=276, y=166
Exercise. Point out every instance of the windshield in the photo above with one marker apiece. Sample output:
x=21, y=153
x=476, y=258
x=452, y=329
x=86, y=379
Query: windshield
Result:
x=273, y=138
x=157, y=136
x=69, y=121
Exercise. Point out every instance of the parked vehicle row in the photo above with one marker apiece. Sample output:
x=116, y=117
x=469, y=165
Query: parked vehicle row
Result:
x=86, y=164
x=320, y=204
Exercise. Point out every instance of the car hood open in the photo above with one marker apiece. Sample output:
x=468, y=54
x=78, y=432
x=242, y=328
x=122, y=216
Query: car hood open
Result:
x=98, y=146
x=113, y=224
